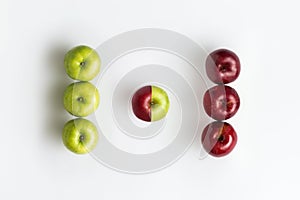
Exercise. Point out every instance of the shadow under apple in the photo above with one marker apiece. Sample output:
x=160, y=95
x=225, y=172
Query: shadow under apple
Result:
x=56, y=115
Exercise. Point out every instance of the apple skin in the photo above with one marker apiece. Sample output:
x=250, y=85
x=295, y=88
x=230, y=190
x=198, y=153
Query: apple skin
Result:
x=222, y=66
x=150, y=103
x=80, y=136
x=218, y=138
x=221, y=102
x=82, y=63
x=141, y=103
x=159, y=103
x=81, y=99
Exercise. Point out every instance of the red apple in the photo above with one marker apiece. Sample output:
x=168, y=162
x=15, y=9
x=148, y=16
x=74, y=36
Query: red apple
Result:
x=222, y=66
x=218, y=138
x=221, y=102
x=150, y=103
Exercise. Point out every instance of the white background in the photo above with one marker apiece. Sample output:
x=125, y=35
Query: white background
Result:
x=36, y=34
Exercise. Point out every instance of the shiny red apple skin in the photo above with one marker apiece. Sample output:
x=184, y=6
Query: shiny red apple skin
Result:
x=221, y=102
x=222, y=66
x=141, y=103
x=219, y=138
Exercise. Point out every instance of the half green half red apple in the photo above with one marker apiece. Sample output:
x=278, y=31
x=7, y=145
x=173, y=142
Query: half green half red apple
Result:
x=150, y=103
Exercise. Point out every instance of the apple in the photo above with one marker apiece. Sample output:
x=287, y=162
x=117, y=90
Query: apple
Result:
x=80, y=135
x=218, y=138
x=81, y=99
x=221, y=102
x=150, y=103
x=82, y=63
x=222, y=66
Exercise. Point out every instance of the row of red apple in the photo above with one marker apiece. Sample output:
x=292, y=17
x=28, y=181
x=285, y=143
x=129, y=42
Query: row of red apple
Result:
x=221, y=102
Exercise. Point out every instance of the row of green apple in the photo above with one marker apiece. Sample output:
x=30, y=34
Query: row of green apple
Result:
x=81, y=99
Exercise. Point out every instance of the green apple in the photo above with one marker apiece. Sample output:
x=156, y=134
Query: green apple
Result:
x=160, y=104
x=150, y=103
x=81, y=99
x=80, y=135
x=82, y=63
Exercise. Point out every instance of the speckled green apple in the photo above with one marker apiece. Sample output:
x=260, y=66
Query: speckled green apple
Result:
x=81, y=99
x=80, y=136
x=82, y=63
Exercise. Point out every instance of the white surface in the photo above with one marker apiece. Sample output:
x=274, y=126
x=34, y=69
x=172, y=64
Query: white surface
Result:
x=36, y=34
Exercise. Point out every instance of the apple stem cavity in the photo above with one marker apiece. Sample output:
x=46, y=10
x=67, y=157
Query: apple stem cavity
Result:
x=80, y=99
x=221, y=138
x=224, y=67
x=82, y=64
x=81, y=138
